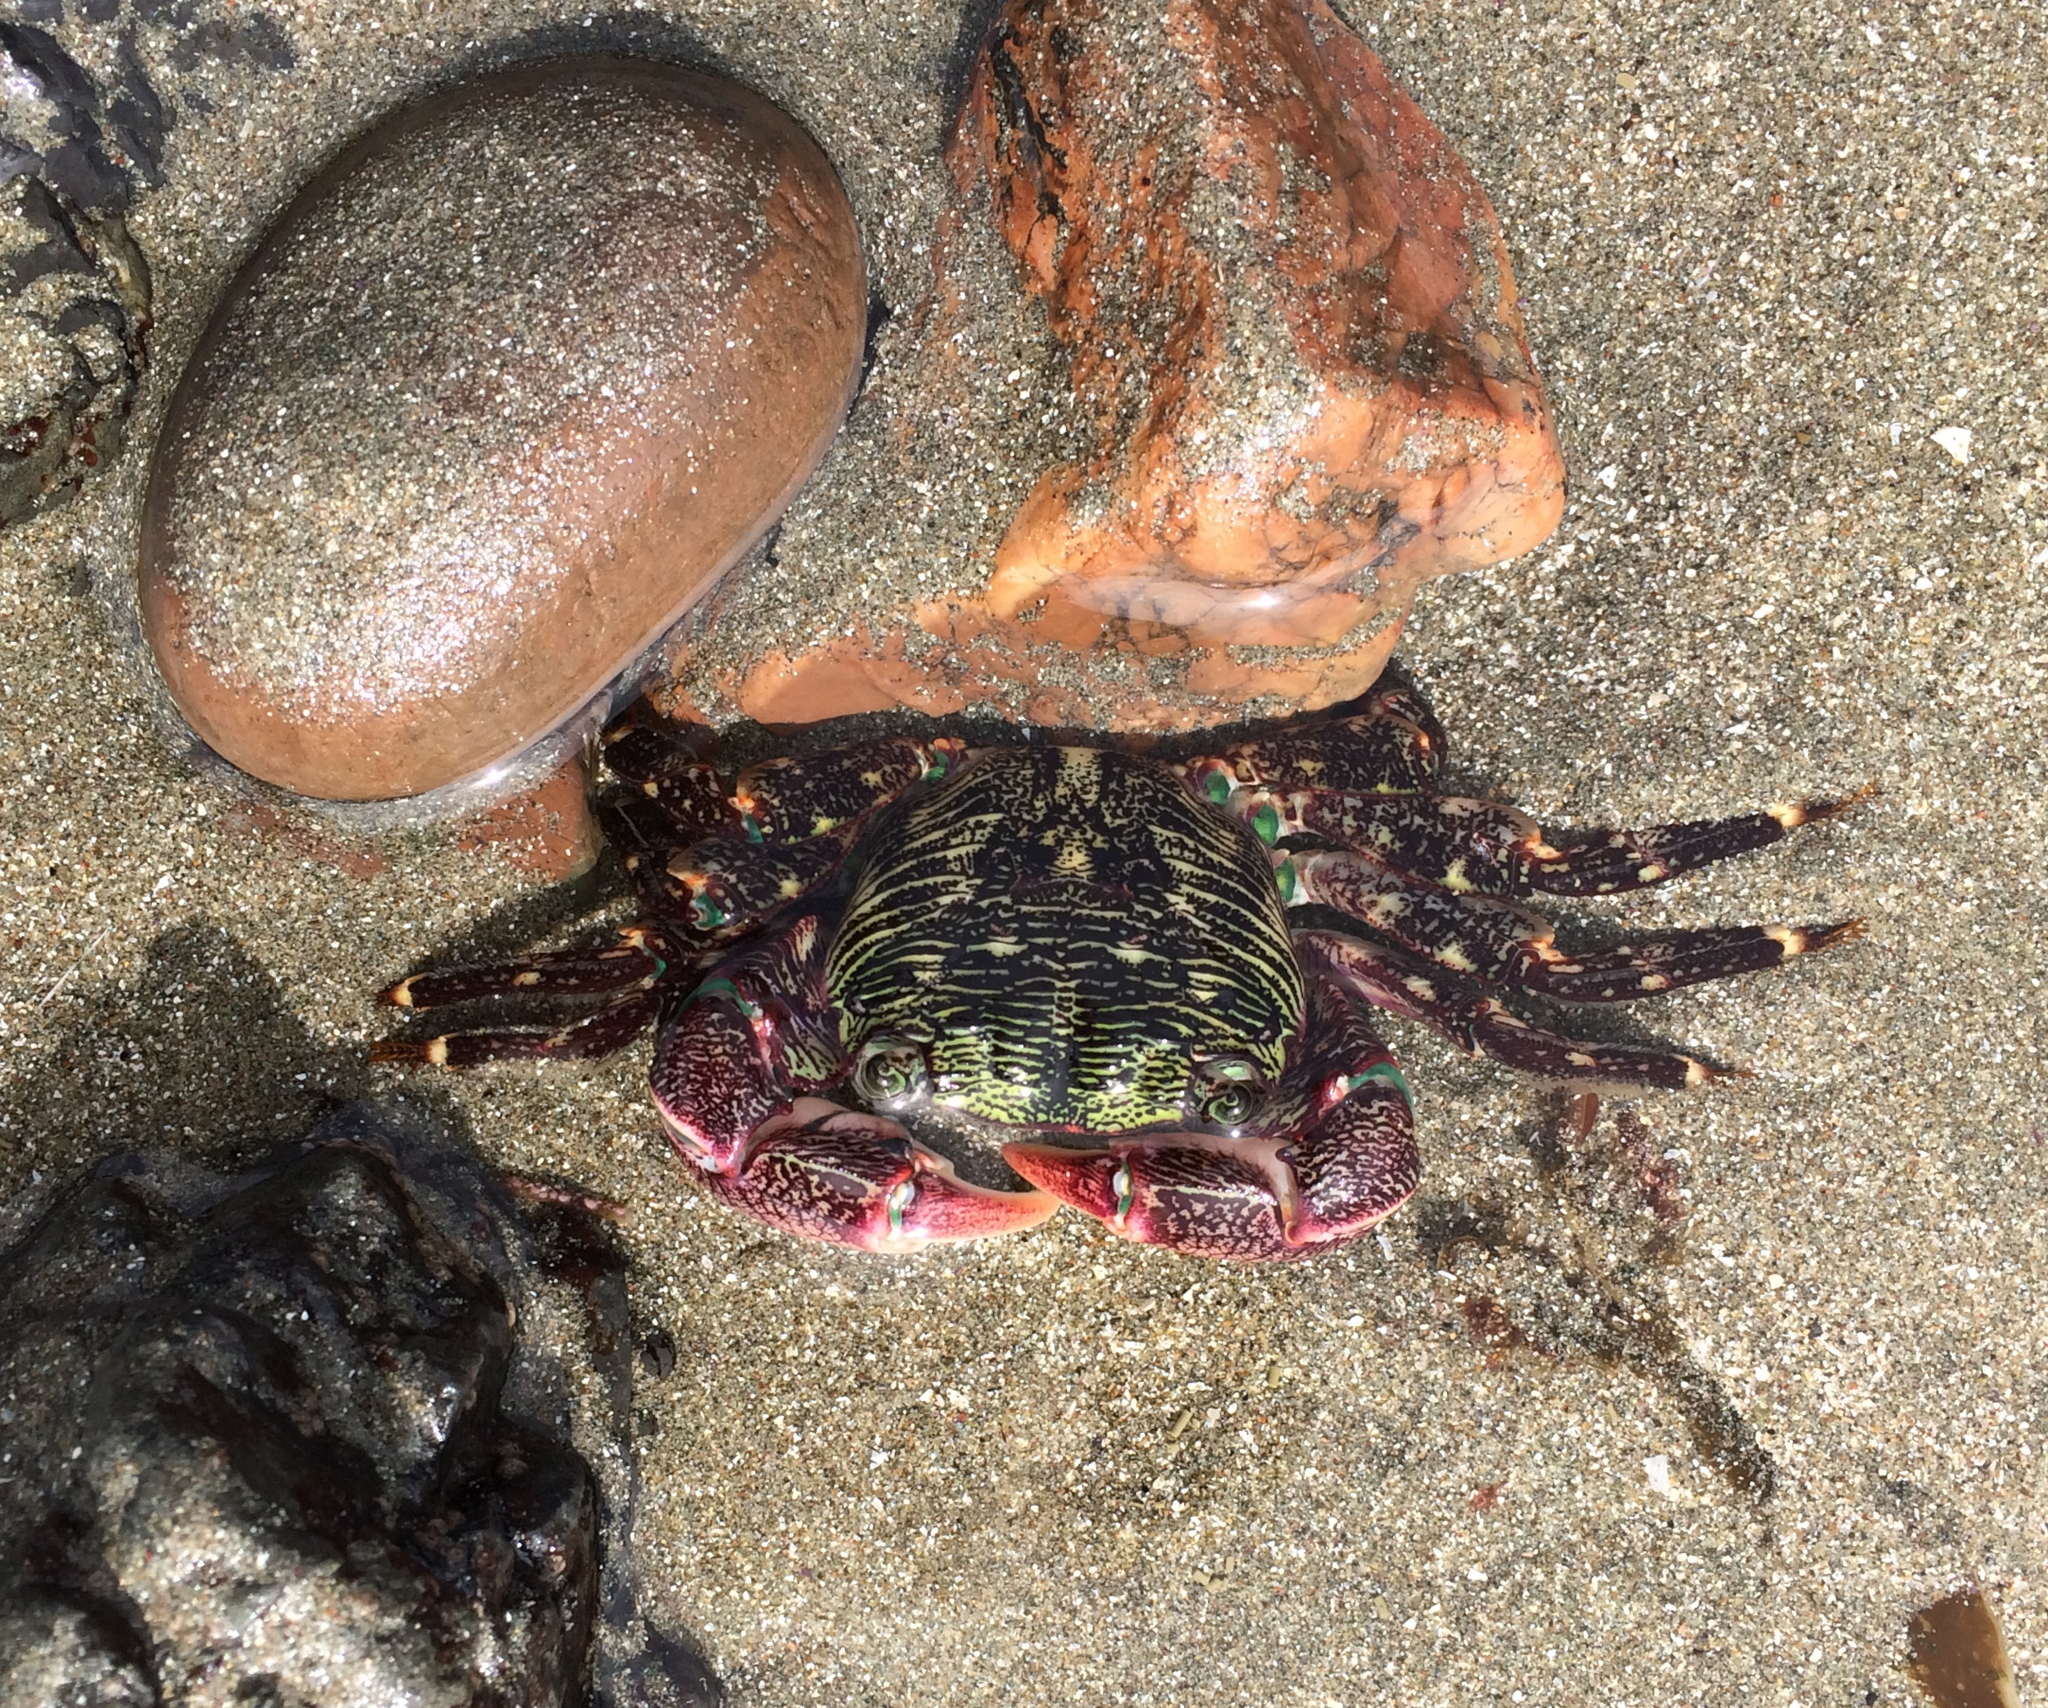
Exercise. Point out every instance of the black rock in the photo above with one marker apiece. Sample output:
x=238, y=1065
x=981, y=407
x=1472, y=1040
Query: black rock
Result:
x=83, y=134
x=288, y=1437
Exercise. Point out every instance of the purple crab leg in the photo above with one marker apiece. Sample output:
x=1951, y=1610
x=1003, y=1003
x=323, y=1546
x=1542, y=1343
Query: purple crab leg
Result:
x=732, y=1069
x=1394, y=745
x=1261, y=1199
x=724, y=883
x=604, y=1033
x=638, y=959
x=1482, y=847
x=784, y=832
x=674, y=796
x=787, y=800
x=1606, y=862
x=1481, y=1026
x=1496, y=942
x=672, y=766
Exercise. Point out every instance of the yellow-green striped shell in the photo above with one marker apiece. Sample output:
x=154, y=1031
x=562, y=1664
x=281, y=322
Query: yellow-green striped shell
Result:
x=1068, y=933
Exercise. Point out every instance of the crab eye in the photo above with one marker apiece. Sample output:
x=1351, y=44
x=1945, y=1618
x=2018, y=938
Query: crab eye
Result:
x=890, y=1072
x=1228, y=1090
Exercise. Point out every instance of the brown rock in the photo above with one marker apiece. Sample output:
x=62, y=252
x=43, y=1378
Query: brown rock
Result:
x=1293, y=352
x=504, y=390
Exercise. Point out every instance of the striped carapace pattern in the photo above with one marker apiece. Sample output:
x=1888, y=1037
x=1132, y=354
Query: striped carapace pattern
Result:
x=1068, y=931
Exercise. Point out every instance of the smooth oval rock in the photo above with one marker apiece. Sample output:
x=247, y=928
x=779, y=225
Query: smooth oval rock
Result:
x=509, y=385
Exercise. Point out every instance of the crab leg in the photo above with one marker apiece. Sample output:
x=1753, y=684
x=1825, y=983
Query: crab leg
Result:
x=1606, y=862
x=1394, y=745
x=1481, y=846
x=673, y=804
x=724, y=882
x=1496, y=942
x=787, y=800
x=725, y=879
x=1412, y=988
x=604, y=1033
x=1205, y=1195
x=732, y=1066
x=676, y=794
x=638, y=959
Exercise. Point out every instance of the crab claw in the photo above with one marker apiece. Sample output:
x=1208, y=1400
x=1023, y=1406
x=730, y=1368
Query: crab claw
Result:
x=1259, y=1200
x=1171, y=1190
x=827, y=1173
x=1174, y=1190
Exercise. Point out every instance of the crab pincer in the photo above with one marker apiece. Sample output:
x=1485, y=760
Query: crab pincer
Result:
x=825, y=1172
x=734, y=1066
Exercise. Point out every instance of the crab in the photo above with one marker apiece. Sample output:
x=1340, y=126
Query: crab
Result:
x=1099, y=958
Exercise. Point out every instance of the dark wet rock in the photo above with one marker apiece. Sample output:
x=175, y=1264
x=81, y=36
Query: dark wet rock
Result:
x=507, y=387
x=299, y=1436
x=84, y=134
x=75, y=284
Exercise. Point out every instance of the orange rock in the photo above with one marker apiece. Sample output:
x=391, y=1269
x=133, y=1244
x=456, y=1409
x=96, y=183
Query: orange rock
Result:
x=1290, y=315
x=1290, y=330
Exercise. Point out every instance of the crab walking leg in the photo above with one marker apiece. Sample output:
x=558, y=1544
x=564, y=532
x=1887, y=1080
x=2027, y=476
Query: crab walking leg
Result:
x=1608, y=862
x=1394, y=746
x=725, y=878
x=1482, y=847
x=1260, y=1200
x=726, y=883
x=1496, y=942
x=675, y=797
x=787, y=800
x=674, y=807
x=604, y=1033
x=731, y=1069
x=827, y=1173
x=1410, y=987
x=673, y=764
x=638, y=959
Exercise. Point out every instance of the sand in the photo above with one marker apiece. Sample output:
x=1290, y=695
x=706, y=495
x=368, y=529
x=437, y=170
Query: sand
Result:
x=1769, y=254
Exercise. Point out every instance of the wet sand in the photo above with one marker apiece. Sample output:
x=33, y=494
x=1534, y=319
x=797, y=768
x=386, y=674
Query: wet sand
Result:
x=1519, y=1451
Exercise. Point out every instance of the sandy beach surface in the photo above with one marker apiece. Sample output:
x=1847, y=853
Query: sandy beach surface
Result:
x=1692, y=1410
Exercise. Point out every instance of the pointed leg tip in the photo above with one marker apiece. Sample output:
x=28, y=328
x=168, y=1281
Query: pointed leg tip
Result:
x=1829, y=936
x=1796, y=940
x=398, y=995
x=1818, y=812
